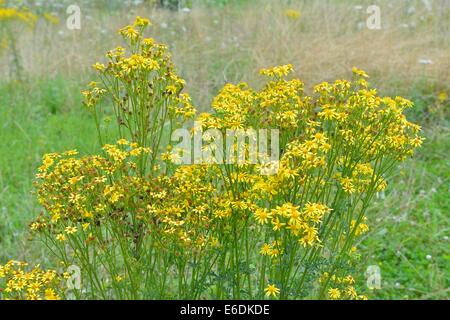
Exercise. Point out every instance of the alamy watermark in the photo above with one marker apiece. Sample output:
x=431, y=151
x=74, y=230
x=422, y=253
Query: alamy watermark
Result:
x=373, y=22
x=73, y=21
x=373, y=275
x=232, y=146
x=74, y=278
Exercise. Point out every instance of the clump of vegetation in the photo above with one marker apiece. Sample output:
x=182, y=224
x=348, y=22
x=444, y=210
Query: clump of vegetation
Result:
x=18, y=281
x=141, y=225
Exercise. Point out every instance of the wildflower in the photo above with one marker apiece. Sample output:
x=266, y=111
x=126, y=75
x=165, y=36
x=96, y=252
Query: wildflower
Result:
x=33, y=284
x=35, y=226
x=141, y=22
x=417, y=141
x=328, y=113
x=271, y=290
x=334, y=293
x=334, y=143
x=50, y=294
x=277, y=225
x=359, y=72
x=149, y=42
x=87, y=214
x=293, y=14
x=74, y=180
x=349, y=280
x=361, y=228
x=61, y=237
x=274, y=252
x=129, y=32
x=442, y=96
x=265, y=249
x=71, y=230
x=351, y=292
x=278, y=71
x=99, y=66
x=122, y=142
x=262, y=216
x=347, y=185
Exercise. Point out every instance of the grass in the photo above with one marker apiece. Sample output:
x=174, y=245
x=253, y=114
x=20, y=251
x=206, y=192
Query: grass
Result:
x=37, y=119
x=213, y=45
x=409, y=236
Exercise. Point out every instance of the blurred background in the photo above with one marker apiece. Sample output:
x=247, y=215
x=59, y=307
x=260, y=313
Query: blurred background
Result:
x=44, y=63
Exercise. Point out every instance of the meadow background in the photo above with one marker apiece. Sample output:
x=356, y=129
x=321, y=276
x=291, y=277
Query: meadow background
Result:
x=214, y=42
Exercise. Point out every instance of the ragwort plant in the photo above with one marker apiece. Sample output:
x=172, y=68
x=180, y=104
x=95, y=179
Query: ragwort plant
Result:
x=19, y=283
x=142, y=226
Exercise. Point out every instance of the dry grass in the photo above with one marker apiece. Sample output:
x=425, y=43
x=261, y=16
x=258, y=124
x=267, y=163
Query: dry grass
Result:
x=212, y=46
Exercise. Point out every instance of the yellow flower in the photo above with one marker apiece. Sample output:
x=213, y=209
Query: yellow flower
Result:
x=292, y=14
x=148, y=42
x=271, y=290
x=265, y=249
x=60, y=237
x=141, y=22
x=278, y=71
x=71, y=230
x=347, y=185
x=129, y=32
x=359, y=72
x=328, y=113
x=87, y=214
x=55, y=217
x=277, y=225
x=51, y=295
x=442, y=96
x=74, y=180
x=334, y=293
x=351, y=292
x=115, y=197
x=349, y=279
x=274, y=252
x=99, y=66
x=122, y=142
x=262, y=216
x=35, y=284
x=35, y=226
x=361, y=228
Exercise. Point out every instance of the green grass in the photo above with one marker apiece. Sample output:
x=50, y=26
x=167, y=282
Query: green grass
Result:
x=410, y=232
x=37, y=118
x=408, y=223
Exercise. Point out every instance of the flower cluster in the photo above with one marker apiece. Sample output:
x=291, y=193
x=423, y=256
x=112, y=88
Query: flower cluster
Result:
x=341, y=288
x=147, y=227
x=300, y=223
x=144, y=90
x=14, y=14
x=18, y=283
